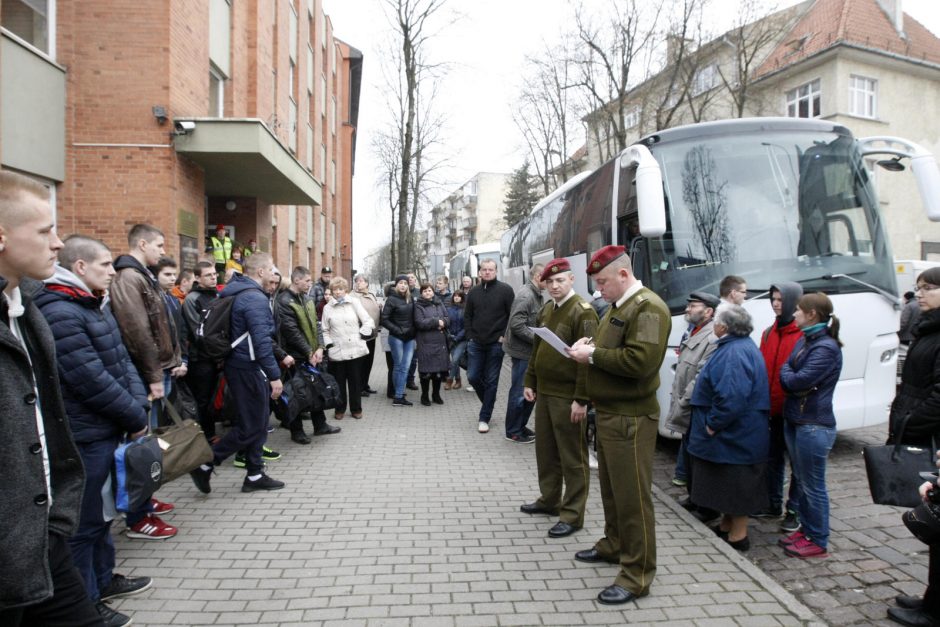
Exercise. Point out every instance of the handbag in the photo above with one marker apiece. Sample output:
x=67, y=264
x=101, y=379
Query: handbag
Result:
x=894, y=470
x=183, y=443
x=138, y=466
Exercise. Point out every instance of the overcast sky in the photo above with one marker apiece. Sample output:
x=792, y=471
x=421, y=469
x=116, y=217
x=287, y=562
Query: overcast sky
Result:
x=485, y=49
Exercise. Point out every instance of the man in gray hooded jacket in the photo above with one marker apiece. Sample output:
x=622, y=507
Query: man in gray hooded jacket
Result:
x=518, y=345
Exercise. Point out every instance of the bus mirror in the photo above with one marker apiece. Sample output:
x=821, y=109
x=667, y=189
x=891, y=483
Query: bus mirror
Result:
x=651, y=205
x=928, y=183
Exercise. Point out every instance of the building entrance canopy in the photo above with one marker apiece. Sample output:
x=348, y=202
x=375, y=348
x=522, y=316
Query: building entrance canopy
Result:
x=241, y=157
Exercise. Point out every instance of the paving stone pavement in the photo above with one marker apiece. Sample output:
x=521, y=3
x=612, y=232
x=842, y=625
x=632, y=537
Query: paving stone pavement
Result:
x=872, y=559
x=411, y=517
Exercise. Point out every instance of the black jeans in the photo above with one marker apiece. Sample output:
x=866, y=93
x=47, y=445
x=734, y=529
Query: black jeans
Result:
x=69, y=605
x=367, y=361
x=348, y=373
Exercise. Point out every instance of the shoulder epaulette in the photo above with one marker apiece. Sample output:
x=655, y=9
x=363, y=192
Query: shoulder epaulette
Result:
x=585, y=305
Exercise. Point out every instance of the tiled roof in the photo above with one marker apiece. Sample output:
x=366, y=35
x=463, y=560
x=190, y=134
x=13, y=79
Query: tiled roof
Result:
x=828, y=23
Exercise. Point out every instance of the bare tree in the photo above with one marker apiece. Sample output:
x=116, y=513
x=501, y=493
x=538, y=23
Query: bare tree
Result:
x=707, y=199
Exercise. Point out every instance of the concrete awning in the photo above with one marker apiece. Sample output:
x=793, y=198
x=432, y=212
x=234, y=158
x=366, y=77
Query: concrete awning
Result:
x=241, y=157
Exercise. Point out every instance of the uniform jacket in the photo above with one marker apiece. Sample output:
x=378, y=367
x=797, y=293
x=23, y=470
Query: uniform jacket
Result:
x=345, y=327
x=104, y=396
x=139, y=306
x=194, y=306
x=919, y=394
x=809, y=379
x=487, y=311
x=519, y=339
x=297, y=329
x=398, y=317
x=26, y=517
x=732, y=398
x=630, y=346
x=251, y=312
x=549, y=372
x=432, y=352
x=693, y=353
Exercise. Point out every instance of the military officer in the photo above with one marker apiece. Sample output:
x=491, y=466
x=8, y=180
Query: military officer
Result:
x=624, y=357
x=558, y=387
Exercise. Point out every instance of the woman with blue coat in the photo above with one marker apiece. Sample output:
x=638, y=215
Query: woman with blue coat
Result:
x=729, y=435
x=809, y=379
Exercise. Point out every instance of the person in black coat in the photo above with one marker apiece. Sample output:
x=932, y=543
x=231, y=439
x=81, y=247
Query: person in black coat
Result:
x=431, y=324
x=918, y=404
x=105, y=400
x=398, y=318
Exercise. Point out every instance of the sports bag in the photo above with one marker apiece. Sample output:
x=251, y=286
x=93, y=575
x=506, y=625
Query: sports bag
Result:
x=138, y=468
x=183, y=444
x=214, y=333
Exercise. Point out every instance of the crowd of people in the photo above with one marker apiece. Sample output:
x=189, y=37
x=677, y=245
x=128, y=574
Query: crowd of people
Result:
x=94, y=346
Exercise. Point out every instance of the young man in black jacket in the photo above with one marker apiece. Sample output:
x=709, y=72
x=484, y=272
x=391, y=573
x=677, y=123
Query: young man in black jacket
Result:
x=485, y=317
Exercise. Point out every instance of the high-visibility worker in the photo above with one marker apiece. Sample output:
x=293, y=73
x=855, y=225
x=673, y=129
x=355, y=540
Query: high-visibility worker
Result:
x=221, y=249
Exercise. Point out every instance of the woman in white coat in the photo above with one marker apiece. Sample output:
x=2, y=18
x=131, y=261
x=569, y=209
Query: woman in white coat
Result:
x=346, y=326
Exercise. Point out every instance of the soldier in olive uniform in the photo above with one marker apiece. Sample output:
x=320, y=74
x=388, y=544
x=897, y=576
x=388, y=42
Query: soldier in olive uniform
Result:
x=560, y=383
x=625, y=357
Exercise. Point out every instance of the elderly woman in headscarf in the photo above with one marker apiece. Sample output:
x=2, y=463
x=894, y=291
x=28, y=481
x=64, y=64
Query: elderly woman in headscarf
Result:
x=729, y=435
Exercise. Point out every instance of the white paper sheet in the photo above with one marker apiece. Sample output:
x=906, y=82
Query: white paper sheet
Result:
x=553, y=340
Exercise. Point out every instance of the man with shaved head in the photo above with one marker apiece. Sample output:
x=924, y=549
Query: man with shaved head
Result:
x=43, y=476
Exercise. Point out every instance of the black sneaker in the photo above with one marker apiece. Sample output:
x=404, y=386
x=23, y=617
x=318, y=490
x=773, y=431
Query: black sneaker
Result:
x=521, y=438
x=401, y=402
x=770, y=512
x=269, y=455
x=528, y=431
x=263, y=482
x=110, y=618
x=790, y=522
x=122, y=586
x=201, y=479
x=411, y=385
x=327, y=430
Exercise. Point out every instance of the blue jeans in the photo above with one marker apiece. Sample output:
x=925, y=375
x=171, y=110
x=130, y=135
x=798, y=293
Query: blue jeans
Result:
x=455, y=354
x=518, y=409
x=156, y=409
x=402, y=351
x=483, y=364
x=682, y=458
x=776, y=470
x=809, y=447
x=92, y=546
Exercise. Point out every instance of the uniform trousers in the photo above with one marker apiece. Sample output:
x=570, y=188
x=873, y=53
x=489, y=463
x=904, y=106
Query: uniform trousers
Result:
x=625, y=446
x=562, y=459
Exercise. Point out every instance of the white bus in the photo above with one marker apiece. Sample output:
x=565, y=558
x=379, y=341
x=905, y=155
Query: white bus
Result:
x=467, y=263
x=769, y=199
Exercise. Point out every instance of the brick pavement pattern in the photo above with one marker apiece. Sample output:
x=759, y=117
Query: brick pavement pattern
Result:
x=411, y=517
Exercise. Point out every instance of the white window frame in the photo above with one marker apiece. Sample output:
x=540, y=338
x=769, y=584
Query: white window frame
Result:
x=50, y=33
x=810, y=93
x=705, y=79
x=863, y=96
x=216, y=75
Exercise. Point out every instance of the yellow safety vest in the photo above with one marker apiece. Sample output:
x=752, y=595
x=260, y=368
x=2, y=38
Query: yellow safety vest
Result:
x=221, y=251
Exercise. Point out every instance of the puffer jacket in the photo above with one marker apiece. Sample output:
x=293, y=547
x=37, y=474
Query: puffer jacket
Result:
x=346, y=325
x=251, y=312
x=518, y=338
x=809, y=379
x=694, y=352
x=297, y=317
x=104, y=396
x=140, y=310
x=432, y=352
x=26, y=515
x=398, y=317
x=919, y=394
x=731, y=397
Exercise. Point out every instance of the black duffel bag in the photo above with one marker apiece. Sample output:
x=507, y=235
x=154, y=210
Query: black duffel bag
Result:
x=306, y=389
x=894, y=470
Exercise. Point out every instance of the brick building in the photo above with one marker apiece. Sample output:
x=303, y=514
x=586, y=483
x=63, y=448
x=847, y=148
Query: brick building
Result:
x=185, y=115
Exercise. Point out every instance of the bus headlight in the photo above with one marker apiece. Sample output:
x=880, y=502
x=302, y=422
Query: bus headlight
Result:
x=888, y=355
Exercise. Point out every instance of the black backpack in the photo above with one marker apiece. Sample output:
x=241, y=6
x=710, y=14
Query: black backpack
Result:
x=214, y=333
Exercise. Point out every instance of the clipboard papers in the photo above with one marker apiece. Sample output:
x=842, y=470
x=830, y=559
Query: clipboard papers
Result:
x=553, y=340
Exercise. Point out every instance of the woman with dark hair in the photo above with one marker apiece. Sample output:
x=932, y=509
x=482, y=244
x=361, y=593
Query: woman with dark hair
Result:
x=398, y=318
x=729, y=434
x=918, y=403
x=809, y=380
x=458, y=339
x=433, y=357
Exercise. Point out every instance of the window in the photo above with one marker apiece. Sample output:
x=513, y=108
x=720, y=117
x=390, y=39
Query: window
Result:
x=309, y=155
x=323, y=95
x=216, y=93
x=863, y=96
x=32, y=21
x=803, y=102
x=333, y=176
x=333, y=239
x=322, y=232
x=632, y=117
x=292, y=109
x=333, y=117
x=705, y=79
x=292, y=27
x=309, y=70
x=322, y=163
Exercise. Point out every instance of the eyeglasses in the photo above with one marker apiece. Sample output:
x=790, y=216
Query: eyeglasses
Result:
x=927, y=288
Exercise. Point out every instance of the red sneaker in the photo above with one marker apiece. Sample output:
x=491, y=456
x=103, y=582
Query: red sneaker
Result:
x=159, y=507
x=804, y=547
x=790, y=539
x=151, y=527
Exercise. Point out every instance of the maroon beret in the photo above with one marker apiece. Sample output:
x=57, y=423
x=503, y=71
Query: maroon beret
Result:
x=555, y=266
x=603, y=257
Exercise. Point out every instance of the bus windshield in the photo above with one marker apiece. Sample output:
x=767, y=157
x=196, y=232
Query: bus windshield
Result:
x=770, y=206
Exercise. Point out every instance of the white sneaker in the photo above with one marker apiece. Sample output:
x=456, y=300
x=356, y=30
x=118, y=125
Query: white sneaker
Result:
x=483, y=427
x=468, y=388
